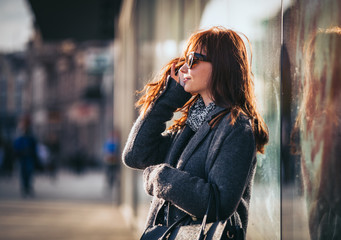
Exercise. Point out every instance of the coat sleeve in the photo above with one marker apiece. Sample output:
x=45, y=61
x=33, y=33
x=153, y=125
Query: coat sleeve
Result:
x=146, y=145
x=230, y=173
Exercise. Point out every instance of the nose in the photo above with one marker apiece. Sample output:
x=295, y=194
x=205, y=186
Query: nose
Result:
x=184, y=68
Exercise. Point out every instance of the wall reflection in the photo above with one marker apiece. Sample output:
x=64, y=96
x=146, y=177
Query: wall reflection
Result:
x=319, y=125
x=311, y=87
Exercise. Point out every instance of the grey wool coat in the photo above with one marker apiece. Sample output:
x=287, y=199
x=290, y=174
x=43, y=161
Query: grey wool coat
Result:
x=179, y=167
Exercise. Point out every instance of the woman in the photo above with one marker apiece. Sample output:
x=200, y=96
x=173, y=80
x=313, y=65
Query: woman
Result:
x=213, y=143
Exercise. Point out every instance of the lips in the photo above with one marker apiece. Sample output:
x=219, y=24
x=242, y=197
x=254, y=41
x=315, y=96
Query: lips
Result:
x=186, y=79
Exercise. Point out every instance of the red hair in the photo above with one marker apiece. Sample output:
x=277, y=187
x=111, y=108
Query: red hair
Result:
x=231, y=85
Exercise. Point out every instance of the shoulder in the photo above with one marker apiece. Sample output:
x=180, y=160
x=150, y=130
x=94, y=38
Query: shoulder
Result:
x=240, y=131
x=242, y=122
x=226, y=132
x=18, y=139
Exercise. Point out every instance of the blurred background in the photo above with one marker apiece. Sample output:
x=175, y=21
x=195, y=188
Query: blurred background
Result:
x=69, y=72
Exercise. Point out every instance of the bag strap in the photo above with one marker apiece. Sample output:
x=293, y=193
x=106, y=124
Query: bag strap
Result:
x=233, y=218
x=213, y=197
x=174, y=225
x=204, y=220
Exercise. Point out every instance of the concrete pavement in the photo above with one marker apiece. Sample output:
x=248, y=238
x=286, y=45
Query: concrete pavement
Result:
x=70, y=207
x=35, y=220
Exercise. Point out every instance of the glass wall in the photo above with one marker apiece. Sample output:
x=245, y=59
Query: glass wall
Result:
x=311, y=143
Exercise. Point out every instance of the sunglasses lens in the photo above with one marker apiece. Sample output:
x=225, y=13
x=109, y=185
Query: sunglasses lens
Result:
x=190, y=60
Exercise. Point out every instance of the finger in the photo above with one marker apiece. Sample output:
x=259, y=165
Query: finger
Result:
x=173, y=70
x=173, y=73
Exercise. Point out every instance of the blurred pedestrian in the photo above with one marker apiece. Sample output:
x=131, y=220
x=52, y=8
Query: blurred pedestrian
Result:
x=43, y=155
x=25, y=148
x=111, y=159
x=213, y=145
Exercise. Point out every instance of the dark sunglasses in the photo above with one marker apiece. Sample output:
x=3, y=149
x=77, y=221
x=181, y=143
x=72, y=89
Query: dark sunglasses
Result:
x=193, y=58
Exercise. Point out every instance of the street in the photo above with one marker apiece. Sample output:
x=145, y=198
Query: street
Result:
x=69, y=207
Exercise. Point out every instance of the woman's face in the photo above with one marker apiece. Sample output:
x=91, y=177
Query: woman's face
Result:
x=197, y=78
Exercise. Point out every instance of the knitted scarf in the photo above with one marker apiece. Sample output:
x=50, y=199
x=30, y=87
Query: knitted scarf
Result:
x=197, y=113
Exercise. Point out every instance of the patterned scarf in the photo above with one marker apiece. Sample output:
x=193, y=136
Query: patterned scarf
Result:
x=197, y=113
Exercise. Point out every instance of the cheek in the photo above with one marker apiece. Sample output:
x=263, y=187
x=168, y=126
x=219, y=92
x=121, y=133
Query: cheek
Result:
x=207, y=77
x=202, y=76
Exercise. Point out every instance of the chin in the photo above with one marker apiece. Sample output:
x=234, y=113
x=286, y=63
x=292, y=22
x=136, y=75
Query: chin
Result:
x=187, y=88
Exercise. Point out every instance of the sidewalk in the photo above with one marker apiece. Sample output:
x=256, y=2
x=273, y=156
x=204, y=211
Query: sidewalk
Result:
x=69, y=208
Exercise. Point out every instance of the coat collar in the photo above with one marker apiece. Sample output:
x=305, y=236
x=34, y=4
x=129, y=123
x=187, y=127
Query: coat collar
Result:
x=214, y=113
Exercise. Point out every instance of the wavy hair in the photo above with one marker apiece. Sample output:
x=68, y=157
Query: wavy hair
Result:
x=231, y=85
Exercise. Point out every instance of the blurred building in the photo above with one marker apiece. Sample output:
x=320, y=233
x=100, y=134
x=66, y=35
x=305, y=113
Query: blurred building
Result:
x=69, y=95
x=64, y=79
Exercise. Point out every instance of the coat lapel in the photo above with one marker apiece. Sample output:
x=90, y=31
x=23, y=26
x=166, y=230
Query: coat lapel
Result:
x=197, y=138
x=193, y=143
x=179, y=145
